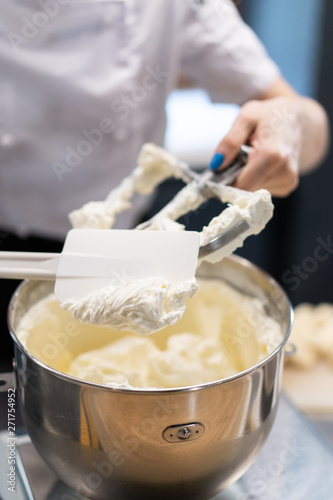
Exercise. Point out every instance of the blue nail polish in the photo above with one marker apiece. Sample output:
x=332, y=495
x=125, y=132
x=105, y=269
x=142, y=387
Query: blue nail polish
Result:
x=216, y=161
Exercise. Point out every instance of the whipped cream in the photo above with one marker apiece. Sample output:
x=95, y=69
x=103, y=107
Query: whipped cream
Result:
x=255, y=208
x=154, y=166
x=142, y=306
x=221, y=333
x=145, y=306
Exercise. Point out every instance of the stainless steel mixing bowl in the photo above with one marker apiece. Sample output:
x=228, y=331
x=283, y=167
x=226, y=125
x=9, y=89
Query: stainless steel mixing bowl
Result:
x=186, y=443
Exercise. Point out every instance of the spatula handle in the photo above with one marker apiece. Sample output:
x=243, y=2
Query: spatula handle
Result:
x=28, y=265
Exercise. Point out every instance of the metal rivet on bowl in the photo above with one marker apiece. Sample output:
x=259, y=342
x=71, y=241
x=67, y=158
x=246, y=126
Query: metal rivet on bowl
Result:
x=183, y=432
x=290, y=349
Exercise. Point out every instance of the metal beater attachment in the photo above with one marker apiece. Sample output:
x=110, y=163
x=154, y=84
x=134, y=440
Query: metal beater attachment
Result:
x=224, y=239
x=208, y=180
x=199, y=188
x=156, y=165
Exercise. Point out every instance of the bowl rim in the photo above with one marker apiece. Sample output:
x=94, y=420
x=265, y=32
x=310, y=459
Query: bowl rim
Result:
x=147, y=390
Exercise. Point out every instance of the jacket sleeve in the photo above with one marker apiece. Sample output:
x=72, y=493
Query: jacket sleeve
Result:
x=220, y=53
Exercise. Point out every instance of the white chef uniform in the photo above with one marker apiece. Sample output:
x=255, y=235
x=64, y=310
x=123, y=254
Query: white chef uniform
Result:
x=83, y=85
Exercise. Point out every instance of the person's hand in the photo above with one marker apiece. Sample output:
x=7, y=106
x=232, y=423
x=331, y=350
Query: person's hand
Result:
x=273, y=128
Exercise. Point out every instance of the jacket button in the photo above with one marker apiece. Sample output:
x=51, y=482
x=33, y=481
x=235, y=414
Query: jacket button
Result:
x=7, y=141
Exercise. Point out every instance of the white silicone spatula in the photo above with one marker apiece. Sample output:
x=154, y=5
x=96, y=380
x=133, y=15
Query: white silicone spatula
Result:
x=93, y=258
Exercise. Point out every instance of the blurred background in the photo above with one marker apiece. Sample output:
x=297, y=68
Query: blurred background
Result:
x=297, y=245
x=299, y=37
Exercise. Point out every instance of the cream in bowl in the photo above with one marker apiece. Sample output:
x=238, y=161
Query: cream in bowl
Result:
x=222, y=332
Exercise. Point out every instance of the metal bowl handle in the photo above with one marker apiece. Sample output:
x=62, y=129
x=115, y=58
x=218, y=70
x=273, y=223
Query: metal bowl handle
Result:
x=290, y=349
x=8, y=380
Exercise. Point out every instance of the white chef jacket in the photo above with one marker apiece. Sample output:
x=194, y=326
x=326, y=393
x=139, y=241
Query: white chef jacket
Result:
x=83, y=85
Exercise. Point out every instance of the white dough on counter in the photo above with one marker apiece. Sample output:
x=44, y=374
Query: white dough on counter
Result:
x=312, y=334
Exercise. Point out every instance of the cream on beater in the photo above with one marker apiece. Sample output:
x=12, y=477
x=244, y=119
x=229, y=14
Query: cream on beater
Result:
x=142, y=306
x=145, y=306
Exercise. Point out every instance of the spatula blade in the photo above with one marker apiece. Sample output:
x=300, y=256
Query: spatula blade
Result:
x=93, y=258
